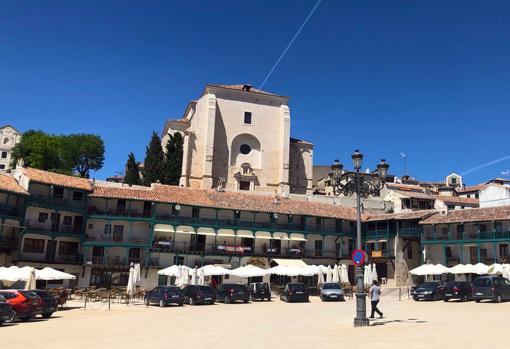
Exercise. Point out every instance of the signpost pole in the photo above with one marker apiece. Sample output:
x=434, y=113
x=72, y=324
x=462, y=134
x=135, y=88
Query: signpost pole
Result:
x=361, y=308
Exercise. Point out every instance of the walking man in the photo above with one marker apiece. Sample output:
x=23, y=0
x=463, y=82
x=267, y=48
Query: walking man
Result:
x=375, y=294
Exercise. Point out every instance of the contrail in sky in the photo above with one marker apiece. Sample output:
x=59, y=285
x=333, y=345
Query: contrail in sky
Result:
x=290, y=43
x=485, y=165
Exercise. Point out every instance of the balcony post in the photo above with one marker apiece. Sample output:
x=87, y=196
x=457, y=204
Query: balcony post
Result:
x=461, y=254
x=496, y=252
x=478, y=252
x=444, y=255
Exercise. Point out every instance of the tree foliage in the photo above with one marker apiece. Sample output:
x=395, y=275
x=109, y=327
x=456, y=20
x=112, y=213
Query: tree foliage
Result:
x=154, y=161
x=173, y=159
x=132, y=176
x=68, y=154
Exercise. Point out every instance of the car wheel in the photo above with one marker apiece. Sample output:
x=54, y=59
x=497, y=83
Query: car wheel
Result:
x=47, y=315
x=161, y=303
x=12, y=317
x=498, y=298
x=342, y=299
x=227, y=300
x=477, y=300
x=445, y=300
x=181, y=304
x=246, y=300
x=269, y=299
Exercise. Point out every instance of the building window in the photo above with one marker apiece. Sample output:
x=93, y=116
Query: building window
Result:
x=237, y=214
x=195, y=211
x=448, y=252
x=302, y=222
x=178, y=260
x=245, y=149
x=68, y=248
x=318, y=222
x=289, y=218
x=34, y=246
x=503, y=250
x=91, y=226
x=68, y=220
x=118, y=231
x=107, y=228
x=77, y=195
x=318, y=248
x=58, y=192
x=43, y=216
x=247, y=117
x=244, y=185
x=6, y=140
x=453, y=180
x=4, y=155
x=476, y=196
x=121, y=205
x=468, y=195
x=2, y=167
x=410, y=250
x=498, y=226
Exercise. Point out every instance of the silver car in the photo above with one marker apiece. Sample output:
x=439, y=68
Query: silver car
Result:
x=332, y=291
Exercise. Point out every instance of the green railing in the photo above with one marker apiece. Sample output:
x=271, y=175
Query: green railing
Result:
x=416, y=231
x=474, y=236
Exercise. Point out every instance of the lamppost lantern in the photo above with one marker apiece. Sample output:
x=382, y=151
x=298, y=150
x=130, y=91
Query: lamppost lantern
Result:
x=382, y=168
x=357, y=159
x=362, y=185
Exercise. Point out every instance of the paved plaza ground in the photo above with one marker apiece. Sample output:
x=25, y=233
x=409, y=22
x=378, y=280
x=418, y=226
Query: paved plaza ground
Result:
x=407, y=324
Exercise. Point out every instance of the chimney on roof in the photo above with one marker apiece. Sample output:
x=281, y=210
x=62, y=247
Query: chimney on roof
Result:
x=247, y=87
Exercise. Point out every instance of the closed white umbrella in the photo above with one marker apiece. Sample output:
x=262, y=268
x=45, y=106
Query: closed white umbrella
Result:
x=30, y=284
x=329, y=274
x=131, y=285
x=335, y=277
x=345, y=275
x=138, y=276
x=201, y=278
x=320, y=277
x=185, y=277
x=505, y=272
x=194, y=276
x=374, y=273
x=367, y=273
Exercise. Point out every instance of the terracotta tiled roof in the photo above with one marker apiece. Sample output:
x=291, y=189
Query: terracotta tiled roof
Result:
x=239, y=87
x=225, y=200
x=473, y=188
x=9, y=184
x=51, y=178
x=411, y=215
x=485, y=214
x=458, y=200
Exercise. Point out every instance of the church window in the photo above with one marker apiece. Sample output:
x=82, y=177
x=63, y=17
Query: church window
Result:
x=247, y=117
x=245, y=149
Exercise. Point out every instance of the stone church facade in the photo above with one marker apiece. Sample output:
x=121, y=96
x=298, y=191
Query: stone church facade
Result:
x=239, y=137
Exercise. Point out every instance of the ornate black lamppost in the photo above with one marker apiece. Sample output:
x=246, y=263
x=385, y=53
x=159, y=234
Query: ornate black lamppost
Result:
x=362, y=185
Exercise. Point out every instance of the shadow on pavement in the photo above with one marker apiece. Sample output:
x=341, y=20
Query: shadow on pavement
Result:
x=381, y=322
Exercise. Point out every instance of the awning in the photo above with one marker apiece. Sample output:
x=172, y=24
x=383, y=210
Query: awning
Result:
x=263, y=235
x=206, y=231
x=185, y=229
x=164, y=228
x=290, y=262
x=297, y=237
x=226, y=232
x=245, y=233
x=280, y=236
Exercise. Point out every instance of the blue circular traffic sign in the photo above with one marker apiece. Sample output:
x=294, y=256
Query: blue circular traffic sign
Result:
x=358, y=257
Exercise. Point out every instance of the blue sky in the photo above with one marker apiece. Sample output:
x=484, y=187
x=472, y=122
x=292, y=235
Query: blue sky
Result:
x=427, y=78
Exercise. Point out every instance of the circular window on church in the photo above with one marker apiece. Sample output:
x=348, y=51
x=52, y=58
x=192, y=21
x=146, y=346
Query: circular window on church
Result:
x=245, y=149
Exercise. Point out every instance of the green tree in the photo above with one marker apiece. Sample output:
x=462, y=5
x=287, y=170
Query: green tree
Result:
x=173, y=159
x=40, y=150
x=132, y=176
x=154, y=161
x=83, y=152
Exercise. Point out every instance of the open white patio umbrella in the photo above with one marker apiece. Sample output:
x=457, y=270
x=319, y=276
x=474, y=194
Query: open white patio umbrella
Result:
x=336, y=277
x=367, y=275
x=248, y=271
x=495, y=269
x=506, y=271
x=53, y=274
x=374, y=273
x=430, y=269
x=459, y=269
x=174, y=270
x=30, y=284
x=210, y=270
x=320, y=277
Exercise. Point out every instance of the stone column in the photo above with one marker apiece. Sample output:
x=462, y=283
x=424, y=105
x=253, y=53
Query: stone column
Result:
x=207, y=180
x=183, y=181
x=284, y=136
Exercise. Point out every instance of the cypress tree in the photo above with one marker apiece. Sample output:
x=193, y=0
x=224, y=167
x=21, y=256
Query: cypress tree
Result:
x=154, y=161
x=173, y=159
x=132, y=176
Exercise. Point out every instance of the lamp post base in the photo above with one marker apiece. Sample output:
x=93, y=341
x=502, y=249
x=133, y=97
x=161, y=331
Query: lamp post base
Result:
x=361, y=322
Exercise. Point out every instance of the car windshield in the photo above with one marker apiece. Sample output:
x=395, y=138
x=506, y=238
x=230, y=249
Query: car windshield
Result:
x=205, y=288
x=43, y=294
x=297, y=287
x=429, y=285
x=29, y=294
x=172, y=289
x=331, y=286
x=240, y=288
x=483, y=282
x=261, y=287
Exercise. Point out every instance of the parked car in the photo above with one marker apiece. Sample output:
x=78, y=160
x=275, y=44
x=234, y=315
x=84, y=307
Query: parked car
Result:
x=7, y=314
x=229, y=293
x=195, y=294
x=429, y=291
x=26, y=304
x=164, y=295
x=260, y=290
x=332, y=291
x=495, y=288
x=48, y=301
x=462, y=290
x=295, y=292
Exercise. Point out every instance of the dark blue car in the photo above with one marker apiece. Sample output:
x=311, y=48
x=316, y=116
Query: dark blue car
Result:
x=164, y=295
